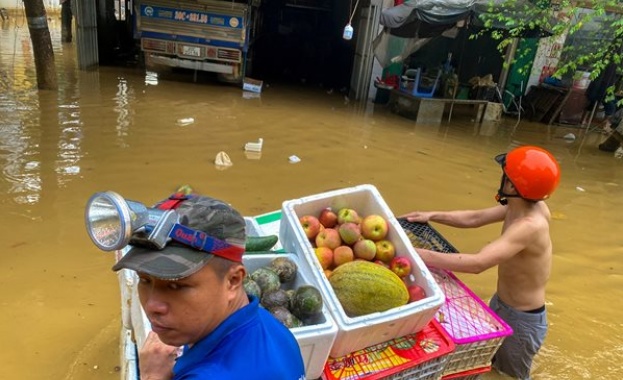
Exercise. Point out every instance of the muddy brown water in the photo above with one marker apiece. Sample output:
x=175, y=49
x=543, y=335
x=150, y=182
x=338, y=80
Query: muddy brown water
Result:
x=116, y=129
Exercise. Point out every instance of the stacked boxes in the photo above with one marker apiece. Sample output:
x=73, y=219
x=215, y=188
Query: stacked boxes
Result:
x=366, y=330
x=315, y=340
x=421, y=356
x=474, y=328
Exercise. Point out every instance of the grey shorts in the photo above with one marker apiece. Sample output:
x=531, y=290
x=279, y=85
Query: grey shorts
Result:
x=514, y=357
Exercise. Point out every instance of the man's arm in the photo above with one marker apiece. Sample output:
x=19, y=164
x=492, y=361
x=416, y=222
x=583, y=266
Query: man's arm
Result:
x=514, y=240
x=460, y=218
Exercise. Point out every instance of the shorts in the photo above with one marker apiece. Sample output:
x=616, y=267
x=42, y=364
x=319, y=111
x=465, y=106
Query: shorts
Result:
x=514, y=357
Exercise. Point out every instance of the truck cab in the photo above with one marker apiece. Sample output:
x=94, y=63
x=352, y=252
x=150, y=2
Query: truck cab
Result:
x=206, y=35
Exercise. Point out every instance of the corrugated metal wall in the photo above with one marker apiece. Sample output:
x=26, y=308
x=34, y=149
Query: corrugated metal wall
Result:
x=86, y=33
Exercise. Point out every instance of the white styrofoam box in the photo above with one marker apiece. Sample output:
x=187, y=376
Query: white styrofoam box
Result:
x=252, y=227
x=140, y=324
x=126, y=281
x=315, y=340
x=129, y=360
x=366, y=330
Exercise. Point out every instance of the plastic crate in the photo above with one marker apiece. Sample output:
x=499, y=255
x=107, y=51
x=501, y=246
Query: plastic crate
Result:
x=315, y=340
x=363, y=331
x=476, y=330
x=423, y=235
x=472, y=374
x=422, y=355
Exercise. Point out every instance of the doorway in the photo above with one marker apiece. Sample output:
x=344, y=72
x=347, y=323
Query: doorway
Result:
x=300, y=42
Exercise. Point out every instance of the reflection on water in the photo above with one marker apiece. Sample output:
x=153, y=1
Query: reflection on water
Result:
x=117, y=129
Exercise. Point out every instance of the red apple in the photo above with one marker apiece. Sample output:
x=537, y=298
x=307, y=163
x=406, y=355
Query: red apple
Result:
x=349, y=232
x=416, y=293
x=365, y=249
x=374, y=227
x=325, y=256
x=382, y=263
x=401, y=266
x=329, y=237
x=345, y=215
x=311, y=225
x=327, y=218
x=342, y=254
x=385, y=251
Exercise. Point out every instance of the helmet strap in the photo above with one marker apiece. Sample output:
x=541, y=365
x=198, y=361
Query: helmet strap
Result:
x=501, y=196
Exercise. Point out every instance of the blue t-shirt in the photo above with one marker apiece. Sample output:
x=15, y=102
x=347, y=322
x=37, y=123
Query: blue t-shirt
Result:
x=250, y=344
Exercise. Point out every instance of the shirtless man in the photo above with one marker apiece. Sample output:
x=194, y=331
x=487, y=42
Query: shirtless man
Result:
x=523, y=252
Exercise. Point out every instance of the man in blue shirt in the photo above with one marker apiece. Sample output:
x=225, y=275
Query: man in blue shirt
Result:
x=196, y=300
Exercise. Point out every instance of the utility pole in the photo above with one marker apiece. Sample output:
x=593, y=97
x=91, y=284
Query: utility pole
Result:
x=41, y=44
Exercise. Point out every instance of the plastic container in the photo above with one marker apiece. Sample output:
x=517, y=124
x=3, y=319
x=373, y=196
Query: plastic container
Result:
x=366, y=330
x=472, y=374
x=314, y=340
x=474, y=328
x=421, y=356
x=581, y=80
x=253, y=85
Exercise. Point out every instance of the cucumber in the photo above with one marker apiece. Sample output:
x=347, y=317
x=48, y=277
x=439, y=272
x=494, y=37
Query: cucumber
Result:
x=260, y=243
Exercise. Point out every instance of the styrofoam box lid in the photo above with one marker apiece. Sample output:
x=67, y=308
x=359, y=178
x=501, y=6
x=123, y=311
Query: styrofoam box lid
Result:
x=366, y=330
x=315, y=340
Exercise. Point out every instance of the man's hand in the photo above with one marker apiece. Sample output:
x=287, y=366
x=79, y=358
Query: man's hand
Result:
x=417, y=216
x=156, y=359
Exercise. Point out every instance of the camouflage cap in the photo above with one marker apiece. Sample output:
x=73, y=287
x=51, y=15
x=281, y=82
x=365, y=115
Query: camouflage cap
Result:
x=212, y=216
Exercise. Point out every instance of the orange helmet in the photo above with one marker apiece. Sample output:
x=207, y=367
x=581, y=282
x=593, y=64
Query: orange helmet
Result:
x=534, y=172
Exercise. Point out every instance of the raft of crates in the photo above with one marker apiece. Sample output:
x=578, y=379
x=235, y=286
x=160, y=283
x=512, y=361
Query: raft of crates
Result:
x=450, y=334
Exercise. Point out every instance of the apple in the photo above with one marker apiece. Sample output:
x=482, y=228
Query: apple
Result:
x=382, y=263
x=342, y=254
x=416, y=293
x=325, y=256
x=374, y=227
x=401, y=266
x=329, y=237
x=327, y=272
x=327, y=218
x=349, y=232
x=385, y=251
x=365, y=249
x=311, y=225
x=345, y=215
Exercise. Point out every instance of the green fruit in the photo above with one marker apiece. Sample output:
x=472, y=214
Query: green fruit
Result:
x=284, y=316
x=275, y=298
x=307, y=302
x=285, y=268
x=260, y=243
x=252, y=288
x=363, y=287
x=267, y=279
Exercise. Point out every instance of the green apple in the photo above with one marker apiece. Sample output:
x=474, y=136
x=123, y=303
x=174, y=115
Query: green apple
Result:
x=345, y=215
x=374, y=227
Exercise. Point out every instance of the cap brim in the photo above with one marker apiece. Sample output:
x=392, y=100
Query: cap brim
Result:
x=171, y=263
x=501, y=159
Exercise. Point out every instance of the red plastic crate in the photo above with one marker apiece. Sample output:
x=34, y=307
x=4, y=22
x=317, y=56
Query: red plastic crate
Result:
x=472, y=374
x=476, y=330
x=422, y=356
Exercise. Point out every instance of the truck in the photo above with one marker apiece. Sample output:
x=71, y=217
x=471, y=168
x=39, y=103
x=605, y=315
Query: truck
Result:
x=204, y=35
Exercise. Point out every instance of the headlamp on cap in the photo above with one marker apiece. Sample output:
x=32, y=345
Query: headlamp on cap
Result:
x=113, y=222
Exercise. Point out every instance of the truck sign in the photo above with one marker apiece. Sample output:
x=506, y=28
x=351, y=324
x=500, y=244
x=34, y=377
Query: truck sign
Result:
x=204, y=18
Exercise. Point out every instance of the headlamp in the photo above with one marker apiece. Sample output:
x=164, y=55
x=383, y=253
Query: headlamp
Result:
x=113, y=222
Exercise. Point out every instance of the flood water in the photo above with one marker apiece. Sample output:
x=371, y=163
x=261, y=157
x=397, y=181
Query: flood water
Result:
x=116, y=129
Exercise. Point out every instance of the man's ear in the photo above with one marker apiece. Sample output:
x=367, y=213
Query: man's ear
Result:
x=236, y=276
